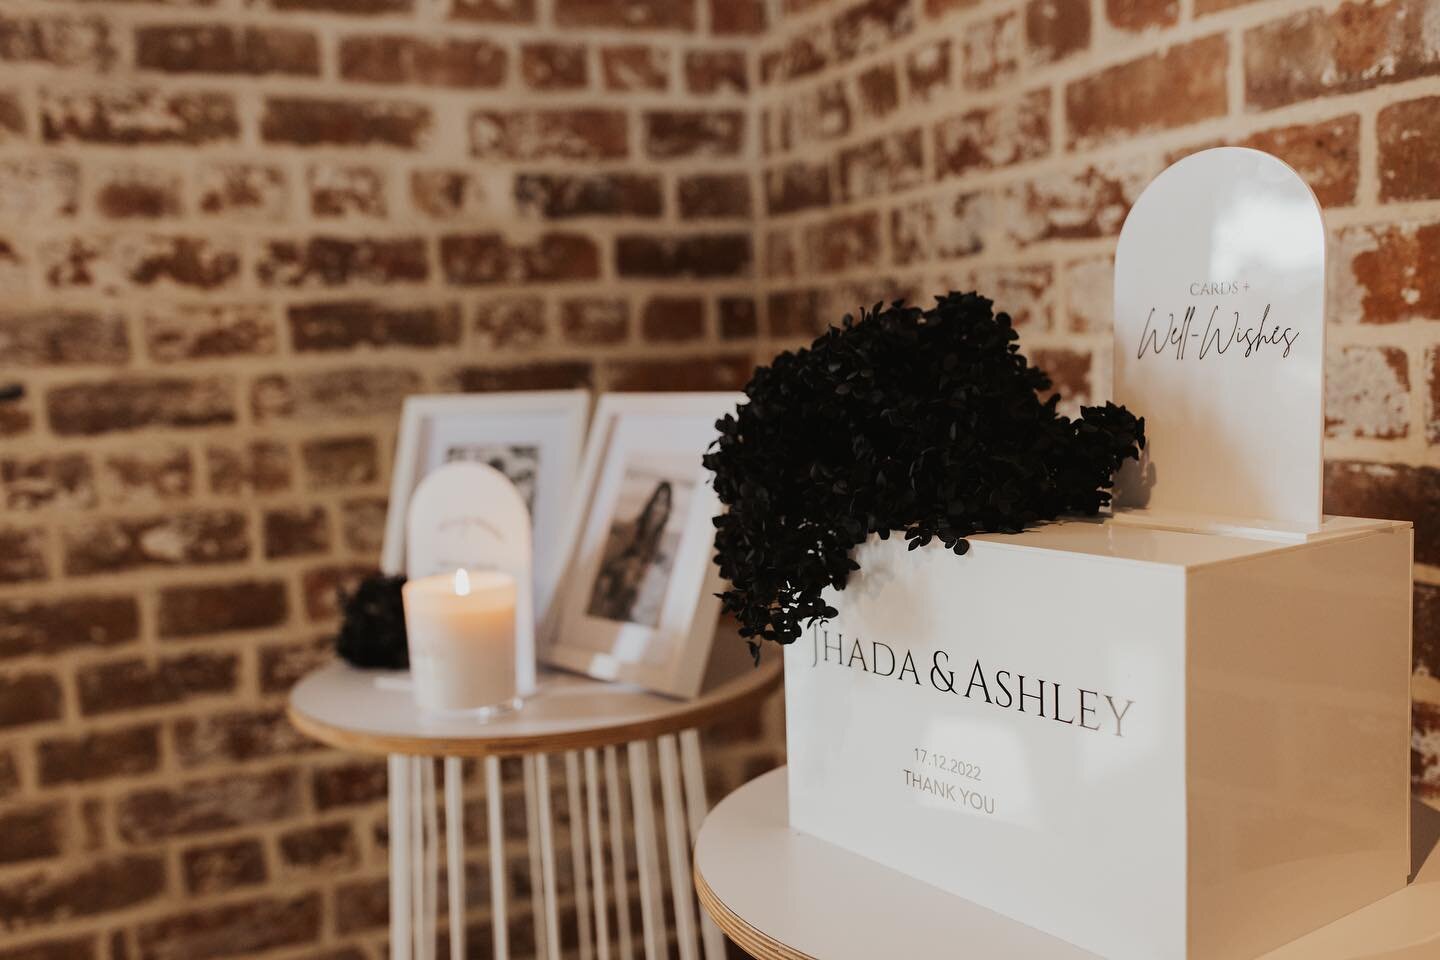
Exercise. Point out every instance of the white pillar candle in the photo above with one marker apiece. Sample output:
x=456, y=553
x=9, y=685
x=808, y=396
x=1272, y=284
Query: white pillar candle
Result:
x=461, y=630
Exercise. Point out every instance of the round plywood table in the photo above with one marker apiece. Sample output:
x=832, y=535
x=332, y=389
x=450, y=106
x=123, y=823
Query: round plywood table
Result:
x=578, y=722
x=782, y=895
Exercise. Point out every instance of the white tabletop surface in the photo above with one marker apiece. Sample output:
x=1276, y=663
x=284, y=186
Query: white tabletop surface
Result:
x=823, y=902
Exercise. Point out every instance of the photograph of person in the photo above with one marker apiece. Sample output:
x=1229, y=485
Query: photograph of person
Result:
x=640, y=546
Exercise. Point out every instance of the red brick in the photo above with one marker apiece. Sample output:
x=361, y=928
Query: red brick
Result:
x=244, y=190
x=635, y=67
x=1386, y=273
x=992, y=50
x=554, y=66
x=1023, y=291
x=60, y=894
x=52, y=337
x=204, y=806
x=362, y=525
x=1326, y=154
x=1010, y=132
x=234, y=929
x=176, y=539
x=924, y=230
x=1143, y=14
x=282, y=665
x=928, y=70
x=1367, y=393
x=883, y=166
x=22, y=554
x=13, y=124
x=819, y=116
x=1069, y=373
x=1409, y=135
x=117, y=752
x=141, y=475
x=846, y=242
x=595, y=321
x=1089, y=203
x=1424, y=757
x=697, y=255
x=238, y=736
x=1319, y=52
x=509, y=323
x=52, y=626
x=9, y=774
x=801, y=56
x=39, y=188
x=1432, y=387
x=139, y=193
x=213, y=48
x=561, y=375
x=717, y=71
x=1203, y=7
x=27, y=698
x=132, y=684
x=134, y=116
x=221, y=867
x=347, y=190
x=31, y=833
x=557, y=196
x=259, y=467
x=739, y=319
x=1182, y=85
x=38, y=482
x=364, y=905
x=1090, y=294
x=363, y=8
x=712, y=372
x=627, y=14
x=17, y=416
x=82, y=42
x=113, y=263
x=1056, y=29
x=179, y=332
x=494, y=11
x=1426, y=621
x=396, y=58
x=211, y=608
x=347, y=392
x=132, y=403
x=877, y=92
x=295, y=532
x=868, y=25
x=320, y=849
x=670, y=134
x=336, y=261
x=448, y=194
x=577, y=134
x=348, y=324
x=673, y=319
x=313, y=121
x=322, y=586
x=355, y=783
x=782, y=254
x=742, y=17
x=1389, y=491
x=489, y=258
x=710, y=196
x=796, y=186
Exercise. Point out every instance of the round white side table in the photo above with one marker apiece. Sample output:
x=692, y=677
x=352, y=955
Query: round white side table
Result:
x=576, y=721
x=782, y=895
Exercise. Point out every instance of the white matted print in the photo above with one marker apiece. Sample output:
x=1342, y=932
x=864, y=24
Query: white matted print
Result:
x=534, y=438
x=639, y=600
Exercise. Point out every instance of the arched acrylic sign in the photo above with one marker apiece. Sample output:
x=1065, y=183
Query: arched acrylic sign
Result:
x=470, y=515
x=1220, y=341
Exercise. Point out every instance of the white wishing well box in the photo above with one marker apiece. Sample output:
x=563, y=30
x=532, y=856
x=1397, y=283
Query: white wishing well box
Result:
x=1180, y=733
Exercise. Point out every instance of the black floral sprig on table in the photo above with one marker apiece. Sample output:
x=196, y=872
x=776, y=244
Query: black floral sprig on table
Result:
x=927, y=422
x=372, y=634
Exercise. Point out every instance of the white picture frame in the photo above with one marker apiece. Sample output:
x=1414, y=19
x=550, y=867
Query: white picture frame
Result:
x=639, y=603
x=541, y=430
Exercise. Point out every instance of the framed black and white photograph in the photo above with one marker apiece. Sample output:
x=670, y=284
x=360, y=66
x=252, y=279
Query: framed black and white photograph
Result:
x=638, y=600
x=534, y=438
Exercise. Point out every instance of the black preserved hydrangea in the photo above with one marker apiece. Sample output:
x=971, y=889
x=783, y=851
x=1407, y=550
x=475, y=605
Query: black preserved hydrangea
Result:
x=372, y=634
x=927, y=422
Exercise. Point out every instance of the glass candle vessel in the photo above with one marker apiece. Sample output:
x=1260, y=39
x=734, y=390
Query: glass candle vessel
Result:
x=461, y=631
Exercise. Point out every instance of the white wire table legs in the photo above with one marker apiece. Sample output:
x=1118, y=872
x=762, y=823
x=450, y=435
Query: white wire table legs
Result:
x=566, y=823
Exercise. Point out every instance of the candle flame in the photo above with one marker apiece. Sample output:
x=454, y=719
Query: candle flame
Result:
x=462, y=583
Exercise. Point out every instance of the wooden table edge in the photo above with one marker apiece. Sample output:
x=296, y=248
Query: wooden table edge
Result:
x=753, y=941
x=742, y=691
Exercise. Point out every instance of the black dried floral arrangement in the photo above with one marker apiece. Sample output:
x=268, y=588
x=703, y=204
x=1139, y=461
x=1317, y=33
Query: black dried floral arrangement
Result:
x=372, y=635
x=923, y=421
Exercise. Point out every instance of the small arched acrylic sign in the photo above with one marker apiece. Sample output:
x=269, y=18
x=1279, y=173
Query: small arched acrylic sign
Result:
x=469, y=515
x=1220, y=342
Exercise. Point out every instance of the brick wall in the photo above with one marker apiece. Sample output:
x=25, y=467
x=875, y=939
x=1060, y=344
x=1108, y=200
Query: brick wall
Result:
x=233, y=236
x=913, y=146
x=235, y=233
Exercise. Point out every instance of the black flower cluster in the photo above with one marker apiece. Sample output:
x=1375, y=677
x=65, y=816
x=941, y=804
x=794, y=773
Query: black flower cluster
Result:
x=372, y=635
x=922, y=421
